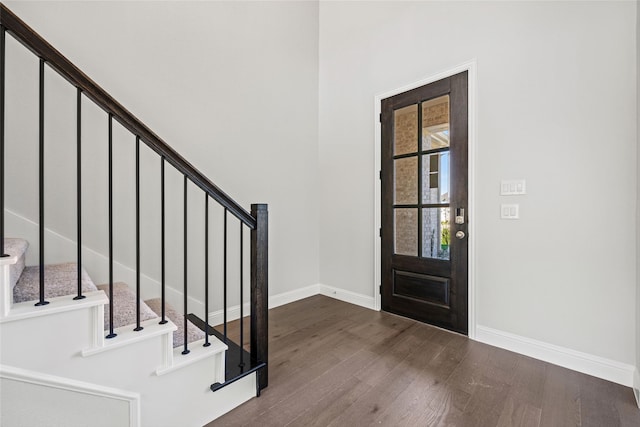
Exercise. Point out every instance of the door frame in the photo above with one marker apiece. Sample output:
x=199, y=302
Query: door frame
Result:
x=470, y=67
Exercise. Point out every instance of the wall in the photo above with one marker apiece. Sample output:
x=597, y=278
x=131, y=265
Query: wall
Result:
x=554, y=107
x=637, y=373
x=232, y=86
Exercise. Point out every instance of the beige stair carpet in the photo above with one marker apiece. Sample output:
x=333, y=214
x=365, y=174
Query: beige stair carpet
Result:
x=59, y=280
x=193, y=332
x=15, y=247
x=124, y=306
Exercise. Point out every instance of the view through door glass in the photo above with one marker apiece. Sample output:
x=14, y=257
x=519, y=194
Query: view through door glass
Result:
x=421, y=205
x=424, y=197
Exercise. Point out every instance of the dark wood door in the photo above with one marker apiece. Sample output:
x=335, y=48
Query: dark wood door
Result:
x=425, y=203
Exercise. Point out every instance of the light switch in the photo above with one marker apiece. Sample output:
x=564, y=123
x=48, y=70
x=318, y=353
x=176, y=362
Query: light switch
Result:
x=509, y=211
x=513, y=187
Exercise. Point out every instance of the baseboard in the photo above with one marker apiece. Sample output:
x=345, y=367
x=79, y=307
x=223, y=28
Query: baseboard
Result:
x=636, y=385
x=292, y=296
x=233, y=313
x=348, y=296
x=596, y=366
x=81, y=387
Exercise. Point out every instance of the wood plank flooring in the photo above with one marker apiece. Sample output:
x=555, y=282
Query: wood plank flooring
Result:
x=336, y=364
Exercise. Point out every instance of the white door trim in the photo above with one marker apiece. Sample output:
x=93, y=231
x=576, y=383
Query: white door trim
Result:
x=471, y=68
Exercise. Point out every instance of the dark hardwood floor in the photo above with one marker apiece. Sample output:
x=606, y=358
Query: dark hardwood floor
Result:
x=336, y=364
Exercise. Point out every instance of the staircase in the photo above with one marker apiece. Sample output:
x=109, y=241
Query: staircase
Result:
x=133, y=349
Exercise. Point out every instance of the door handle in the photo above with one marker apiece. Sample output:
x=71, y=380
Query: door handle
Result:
x=460, y=234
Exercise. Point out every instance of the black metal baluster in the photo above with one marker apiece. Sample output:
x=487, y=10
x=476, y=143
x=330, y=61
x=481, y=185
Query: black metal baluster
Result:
x=41, y=184
x=206, y=270
x=2, y=74
x=79, y=188
x=241, y=343
x=162, y=231
x=111, y=333
x=138, y=327
x=224, y=281
x=186, y=349
x=420, y=183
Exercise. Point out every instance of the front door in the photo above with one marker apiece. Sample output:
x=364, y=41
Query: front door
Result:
x=425, y=203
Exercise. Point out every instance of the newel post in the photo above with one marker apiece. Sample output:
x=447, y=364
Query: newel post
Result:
x=260, y=291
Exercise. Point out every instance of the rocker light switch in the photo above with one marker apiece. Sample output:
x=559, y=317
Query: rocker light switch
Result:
x=513, y=187
x=509, y=211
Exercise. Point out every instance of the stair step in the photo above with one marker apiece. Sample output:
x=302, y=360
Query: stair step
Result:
x=18, y=249
x=193, y=332
x=124, y=306
x=59, y=280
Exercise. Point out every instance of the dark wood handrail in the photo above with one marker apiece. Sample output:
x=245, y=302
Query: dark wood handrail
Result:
x=41, y=48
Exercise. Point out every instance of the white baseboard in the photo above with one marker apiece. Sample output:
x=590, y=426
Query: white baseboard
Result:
x=81, y=387
x=320, y=289
x=348, y=296
x=295, y=295
x=233, y=313
x=596, y=366
x=636, y=385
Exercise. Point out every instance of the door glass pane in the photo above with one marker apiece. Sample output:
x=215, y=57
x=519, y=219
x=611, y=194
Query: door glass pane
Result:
x=435, y=123
x=435, y=177
x=406, y=231
x=405, y=130
x=406, y=176
x=436, y=235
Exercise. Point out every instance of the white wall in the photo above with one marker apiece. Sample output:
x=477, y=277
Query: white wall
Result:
x=637, y=376
x=556, y=106
x=232, y=86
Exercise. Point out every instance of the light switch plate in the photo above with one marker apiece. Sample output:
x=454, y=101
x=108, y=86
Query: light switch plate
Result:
x=513, y=187
x=509, y=211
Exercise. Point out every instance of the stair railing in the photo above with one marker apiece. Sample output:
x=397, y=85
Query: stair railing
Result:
x=256, y=221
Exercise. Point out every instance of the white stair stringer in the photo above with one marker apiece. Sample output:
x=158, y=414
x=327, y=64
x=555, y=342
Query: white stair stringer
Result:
x=17, y=248
x=6, y=287
x=63, y=402
x=66, y=339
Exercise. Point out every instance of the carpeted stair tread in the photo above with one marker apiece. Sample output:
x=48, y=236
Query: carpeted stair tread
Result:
x=193, y=332
x=59, y=280
x=18, y=248
x=124, y=306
